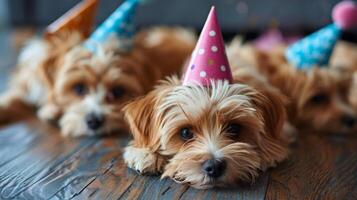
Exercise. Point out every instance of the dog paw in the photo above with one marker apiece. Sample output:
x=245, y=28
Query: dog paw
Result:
x=49, y=112
x=68, y=132
x=72, y=127
x=143, y=160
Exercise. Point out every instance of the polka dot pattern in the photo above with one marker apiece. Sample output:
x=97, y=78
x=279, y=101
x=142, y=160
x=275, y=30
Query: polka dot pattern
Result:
x=214, y=48
x=212, y=33
x=201, y=51
x=210, y=61
x=119, y=23
x=203, y=74
x=109, y=23
x=315, y=49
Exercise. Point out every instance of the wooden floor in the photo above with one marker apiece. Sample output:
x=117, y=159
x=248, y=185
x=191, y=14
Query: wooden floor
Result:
x=37, y=163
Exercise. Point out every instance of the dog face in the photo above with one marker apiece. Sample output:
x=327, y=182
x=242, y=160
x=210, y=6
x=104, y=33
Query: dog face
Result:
x=213, y=136
x=91, y=89
x=317, y=100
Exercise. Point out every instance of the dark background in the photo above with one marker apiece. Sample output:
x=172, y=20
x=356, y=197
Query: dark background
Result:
x=248, y=17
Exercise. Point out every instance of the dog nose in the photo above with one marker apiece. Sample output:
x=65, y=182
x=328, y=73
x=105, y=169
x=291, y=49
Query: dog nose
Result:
x=214, y=168
x=94, y=121
x=348, y=120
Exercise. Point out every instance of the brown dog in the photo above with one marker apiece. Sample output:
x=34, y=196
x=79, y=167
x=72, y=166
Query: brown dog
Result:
x=85, y=92
x=207, y=137
x=317, y=97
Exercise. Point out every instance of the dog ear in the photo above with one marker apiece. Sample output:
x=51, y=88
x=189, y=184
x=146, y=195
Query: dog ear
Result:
x=140, y=114
x=271, y=106
x=274, y=144
x=58, y=47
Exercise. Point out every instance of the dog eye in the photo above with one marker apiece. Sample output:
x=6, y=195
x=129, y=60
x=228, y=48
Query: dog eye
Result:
x=234, y=129
x=80, y=89
x=186, y=134
x=115, y=93
x=319, y=99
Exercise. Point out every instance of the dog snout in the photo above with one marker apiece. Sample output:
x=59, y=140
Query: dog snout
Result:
x=214, y=168
x=348, y=120
x=94, y=121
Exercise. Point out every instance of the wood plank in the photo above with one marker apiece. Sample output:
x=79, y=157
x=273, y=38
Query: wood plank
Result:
x=112, y=184
x=70, y=178
x=38, y=163
x=122, y=183
x=17, y=136
x=254, y=191
x=320, y=167
x=144, y=187
x=35, y=159
x=119, y=182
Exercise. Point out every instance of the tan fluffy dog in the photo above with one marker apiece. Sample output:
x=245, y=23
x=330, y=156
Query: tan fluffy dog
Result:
x=317, y=96
x=85, y=92
x=207, y=137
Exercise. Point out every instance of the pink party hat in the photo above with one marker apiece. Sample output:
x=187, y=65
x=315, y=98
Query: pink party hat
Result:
x=209, y=60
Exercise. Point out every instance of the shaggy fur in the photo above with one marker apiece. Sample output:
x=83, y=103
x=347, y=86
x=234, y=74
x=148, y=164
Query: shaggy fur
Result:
x=344, y=56
x=352, y=95
x=157, y=118
x=80, y=90
x=317, y=97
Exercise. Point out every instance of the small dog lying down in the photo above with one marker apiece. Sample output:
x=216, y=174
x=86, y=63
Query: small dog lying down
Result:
x=207, y=136
x=317, y=97
x=85, y=92
x=210, y=128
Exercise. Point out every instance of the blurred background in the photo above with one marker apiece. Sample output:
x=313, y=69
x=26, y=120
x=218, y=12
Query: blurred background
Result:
x=248, y=17
x=21, y=19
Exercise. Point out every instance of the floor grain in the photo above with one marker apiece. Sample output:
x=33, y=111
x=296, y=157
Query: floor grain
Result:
x=40, y=164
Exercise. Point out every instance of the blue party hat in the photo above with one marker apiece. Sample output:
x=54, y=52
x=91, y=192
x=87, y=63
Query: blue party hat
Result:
x=120, y=24
x=315, y=49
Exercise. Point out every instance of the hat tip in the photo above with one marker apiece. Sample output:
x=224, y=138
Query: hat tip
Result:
x=344, y=14
x=213, y=9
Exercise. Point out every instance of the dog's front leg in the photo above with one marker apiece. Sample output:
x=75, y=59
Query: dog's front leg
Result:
x=144, y=160
x=49, y=112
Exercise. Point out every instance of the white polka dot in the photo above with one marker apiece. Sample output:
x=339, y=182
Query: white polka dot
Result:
x=118, y=15
x=203, y=74
x=214, y=49
x=223, y=68
x=109, y=23
x=201, y=51
x=212, y=33
x=99, y=33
